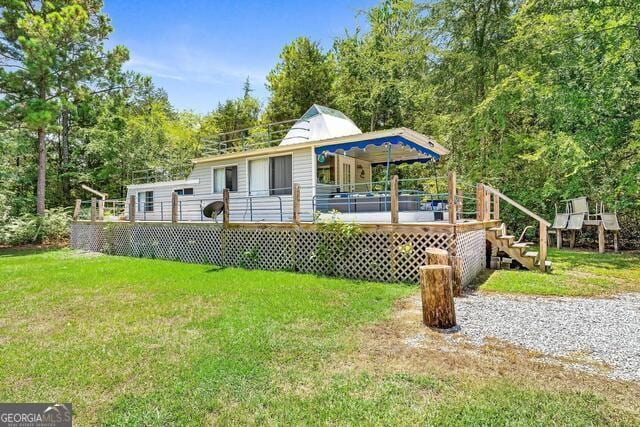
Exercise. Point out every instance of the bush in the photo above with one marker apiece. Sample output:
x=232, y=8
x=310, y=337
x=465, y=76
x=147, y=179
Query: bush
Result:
x=53, y=227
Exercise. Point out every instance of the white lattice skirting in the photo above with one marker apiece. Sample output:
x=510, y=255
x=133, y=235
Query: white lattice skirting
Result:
x=379, y=256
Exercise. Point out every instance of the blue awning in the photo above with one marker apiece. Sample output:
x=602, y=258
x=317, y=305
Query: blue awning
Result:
x=422, y=154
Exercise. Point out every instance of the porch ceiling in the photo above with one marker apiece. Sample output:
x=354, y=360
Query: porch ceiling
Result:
x=376, y=151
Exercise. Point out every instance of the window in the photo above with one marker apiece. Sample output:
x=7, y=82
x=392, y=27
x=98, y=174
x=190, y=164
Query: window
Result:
x=280, y=175
x=270, y=176
x=184, y=191
x=225, y=177
x=145, y=201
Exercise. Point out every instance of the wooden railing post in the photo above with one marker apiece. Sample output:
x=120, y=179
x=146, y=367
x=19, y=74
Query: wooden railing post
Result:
x=225, y=209
x=486, y=212
x=174, y=207
x=451, y=205
x=296, y=203
x=93, y=209
x=76, y=210
x=496, y=207
x=132, y=208
x=100, y=210
x=544, y=236
x=480, y=194
x=394, y=200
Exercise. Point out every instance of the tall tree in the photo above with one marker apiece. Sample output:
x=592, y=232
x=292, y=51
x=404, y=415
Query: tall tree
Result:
x=303, y=77
x=52, y=52
x=381, y=74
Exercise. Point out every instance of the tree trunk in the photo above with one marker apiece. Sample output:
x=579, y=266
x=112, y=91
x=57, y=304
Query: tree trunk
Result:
x=64, y=151
x=42, y=171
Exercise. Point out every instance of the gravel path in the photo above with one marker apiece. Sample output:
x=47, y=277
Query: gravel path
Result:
x=606, y=330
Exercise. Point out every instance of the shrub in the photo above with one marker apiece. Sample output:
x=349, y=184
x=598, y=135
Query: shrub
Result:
x=52, y=227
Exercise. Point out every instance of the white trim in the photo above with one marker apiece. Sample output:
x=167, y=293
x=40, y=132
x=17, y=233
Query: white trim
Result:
x=164, y=184
x=314, y=171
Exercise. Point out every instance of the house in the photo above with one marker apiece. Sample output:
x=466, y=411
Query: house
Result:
x=324, y=153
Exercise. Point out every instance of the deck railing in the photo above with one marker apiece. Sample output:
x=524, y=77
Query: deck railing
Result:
x=397, y=201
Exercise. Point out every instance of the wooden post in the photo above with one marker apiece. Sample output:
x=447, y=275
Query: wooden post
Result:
x=615, y=241
x=100, y=210
x=436, y=256
x=132, y=208
x=572, y=239
x=296, y=203
x=480, y=202
x=456, y=275
x=601, y=237
x=461, y=202
x=487, y=205
x=174, y=207
x=496, y=207
x=93, y=209
x=438, y=309
x=559, y=238
x=76, y=210
x=543, y=246
x=451, y=205
x=394, y=199
x=225, y=209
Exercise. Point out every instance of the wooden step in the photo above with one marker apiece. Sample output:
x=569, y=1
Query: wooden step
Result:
x=507, y=237
x=531, y=254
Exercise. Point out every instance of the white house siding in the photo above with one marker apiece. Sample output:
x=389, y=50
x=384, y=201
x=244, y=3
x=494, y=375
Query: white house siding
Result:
x=241, y=207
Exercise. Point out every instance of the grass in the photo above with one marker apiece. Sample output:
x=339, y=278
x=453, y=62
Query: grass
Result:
x=138, y=341
x=575, y=273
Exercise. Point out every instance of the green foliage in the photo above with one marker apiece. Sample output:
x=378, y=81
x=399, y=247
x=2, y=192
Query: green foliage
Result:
x=50, y=228
x=303, y=77
x=336, y=241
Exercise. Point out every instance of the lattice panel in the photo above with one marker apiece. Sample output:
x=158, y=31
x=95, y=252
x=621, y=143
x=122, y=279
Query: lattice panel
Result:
x=379, y=256
x=408, y=253
x=364, y=257
x=471, y=246
x=265, y=249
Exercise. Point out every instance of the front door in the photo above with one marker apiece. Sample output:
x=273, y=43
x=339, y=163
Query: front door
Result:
x=346, y=173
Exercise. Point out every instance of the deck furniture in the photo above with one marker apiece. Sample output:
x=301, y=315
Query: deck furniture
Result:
x=577, y=216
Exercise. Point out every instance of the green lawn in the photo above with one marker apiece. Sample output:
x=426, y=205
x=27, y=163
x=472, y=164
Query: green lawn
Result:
x=138, y=341
x=575, y=273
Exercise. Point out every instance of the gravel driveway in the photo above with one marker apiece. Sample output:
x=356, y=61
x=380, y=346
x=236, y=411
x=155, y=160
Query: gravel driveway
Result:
x=605, y=330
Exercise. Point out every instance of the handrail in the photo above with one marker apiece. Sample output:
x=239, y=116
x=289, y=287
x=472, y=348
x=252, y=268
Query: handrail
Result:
x=518, y=205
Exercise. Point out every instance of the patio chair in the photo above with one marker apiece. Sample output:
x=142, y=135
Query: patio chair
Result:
x=560, y=221
x=610, y=221
x=579, y=205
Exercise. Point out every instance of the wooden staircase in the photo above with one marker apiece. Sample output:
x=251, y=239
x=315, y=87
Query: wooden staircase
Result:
x=519, y=251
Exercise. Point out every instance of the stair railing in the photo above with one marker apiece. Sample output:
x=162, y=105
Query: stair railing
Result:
x=544, y=224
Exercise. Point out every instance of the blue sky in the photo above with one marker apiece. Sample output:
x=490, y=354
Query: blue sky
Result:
x=201, y=51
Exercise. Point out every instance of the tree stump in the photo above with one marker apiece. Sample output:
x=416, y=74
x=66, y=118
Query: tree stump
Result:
x=437, y=256
x=437, y=296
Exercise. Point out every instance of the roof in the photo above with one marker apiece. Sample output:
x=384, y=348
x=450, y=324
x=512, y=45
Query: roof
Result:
x=320, y=123
x=405, y=134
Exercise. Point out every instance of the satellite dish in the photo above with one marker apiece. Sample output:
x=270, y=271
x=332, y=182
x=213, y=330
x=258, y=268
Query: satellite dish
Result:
x=212, y=210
